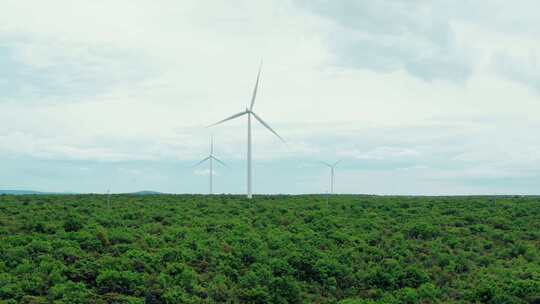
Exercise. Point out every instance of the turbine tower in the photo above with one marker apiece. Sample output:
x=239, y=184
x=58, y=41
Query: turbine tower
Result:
x=109, y=198
x=211, y=159
x=249, y=112
x=332, y=173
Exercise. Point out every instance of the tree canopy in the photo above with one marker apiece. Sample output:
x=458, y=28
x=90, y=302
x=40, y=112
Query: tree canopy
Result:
x=273, y=249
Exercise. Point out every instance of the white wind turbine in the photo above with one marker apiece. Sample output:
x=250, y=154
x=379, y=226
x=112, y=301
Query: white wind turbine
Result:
x=332, y=174
x=109, y=198
x=249, y=112
x=211, y=158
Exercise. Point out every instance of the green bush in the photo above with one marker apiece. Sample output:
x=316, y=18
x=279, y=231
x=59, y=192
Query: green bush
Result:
x=123, y=282
x=70, y=292
x=423, y=231
x=73, y=223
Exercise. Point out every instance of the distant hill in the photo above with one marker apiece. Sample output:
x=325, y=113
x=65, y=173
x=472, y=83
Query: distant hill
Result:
x=146, y=193
x=21, y=192
x=31, y=192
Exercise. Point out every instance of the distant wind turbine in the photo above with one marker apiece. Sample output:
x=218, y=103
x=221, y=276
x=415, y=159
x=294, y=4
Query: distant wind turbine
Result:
x=249, y=112
x=332, y=174
x=211, y=158
x=109, y=198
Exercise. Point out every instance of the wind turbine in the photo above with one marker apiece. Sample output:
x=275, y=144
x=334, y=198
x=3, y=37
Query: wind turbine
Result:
x=332, y=174
x=211, y=158
x=249, y=112
x=109, y=198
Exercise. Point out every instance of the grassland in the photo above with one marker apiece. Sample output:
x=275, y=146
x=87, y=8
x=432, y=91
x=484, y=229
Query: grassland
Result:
x=274, y=249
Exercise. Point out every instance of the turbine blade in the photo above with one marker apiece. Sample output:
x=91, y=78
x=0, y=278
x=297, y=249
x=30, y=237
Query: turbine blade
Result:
x=326, y=164
x=229, y=118
x=212, y=145
x=219, y=161
x=268, y=127
x=336, y=163
x=202, y=161
x=255, y=89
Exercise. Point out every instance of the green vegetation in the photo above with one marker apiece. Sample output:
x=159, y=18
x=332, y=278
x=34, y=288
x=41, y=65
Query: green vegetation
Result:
x=275, y=249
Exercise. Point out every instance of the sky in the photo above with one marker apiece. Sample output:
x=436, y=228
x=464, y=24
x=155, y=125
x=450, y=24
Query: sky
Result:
x=415, y=97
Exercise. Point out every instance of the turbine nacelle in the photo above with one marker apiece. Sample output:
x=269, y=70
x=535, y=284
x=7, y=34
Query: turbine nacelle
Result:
x=332, y=166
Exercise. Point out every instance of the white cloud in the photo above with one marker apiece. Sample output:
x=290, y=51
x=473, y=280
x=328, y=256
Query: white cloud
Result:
x=522, y=70
x=205, y=172
x=415, y=36
x=381, y=153
x=128, y=171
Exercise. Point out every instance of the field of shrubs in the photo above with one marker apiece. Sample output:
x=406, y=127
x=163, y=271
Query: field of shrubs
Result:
x=273, y=249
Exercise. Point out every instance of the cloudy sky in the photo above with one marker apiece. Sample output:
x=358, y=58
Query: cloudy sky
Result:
x=416, y=97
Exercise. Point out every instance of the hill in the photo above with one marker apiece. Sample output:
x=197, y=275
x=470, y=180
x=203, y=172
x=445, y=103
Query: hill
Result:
x=146, y=192
x=21, y=192
x=31, y=192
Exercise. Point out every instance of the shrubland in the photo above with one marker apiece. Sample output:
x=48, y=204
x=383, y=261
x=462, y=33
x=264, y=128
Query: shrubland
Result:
x=272, y=249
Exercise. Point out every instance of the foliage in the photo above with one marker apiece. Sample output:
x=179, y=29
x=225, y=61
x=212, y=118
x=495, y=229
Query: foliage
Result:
x=273, y=249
